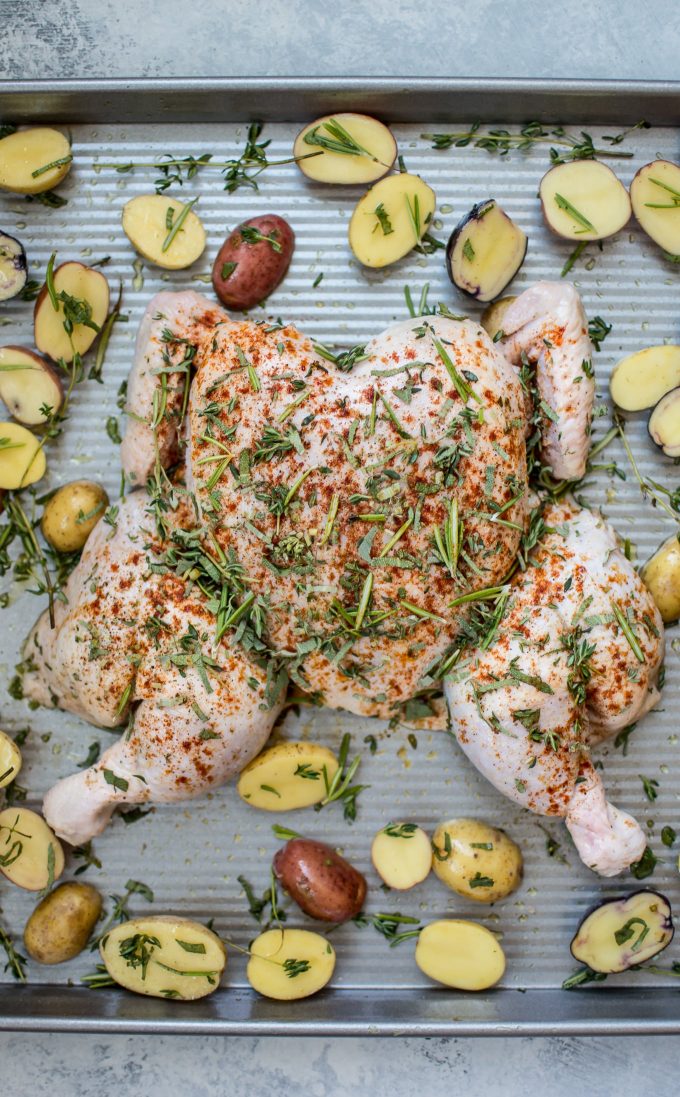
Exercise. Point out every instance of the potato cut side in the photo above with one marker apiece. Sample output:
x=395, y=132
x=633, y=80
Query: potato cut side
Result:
x=164, y=957
x=584, y=200
x=72, y=513
x=485, y=251
x=34, y=160
x=30, y=854
x=288, y=964
x=30, y=387
x=391, y=219
x=354, y=148
x=463, y=955
x=13, y=267
x=10, y=759
x=288, y=776
x=85, y=295
x=622, y=933
x=493, y=315
x=401, y=855
x=655, y=197
x=661, y=576
x=150, y=223
x=22, y=459
x=640, y=380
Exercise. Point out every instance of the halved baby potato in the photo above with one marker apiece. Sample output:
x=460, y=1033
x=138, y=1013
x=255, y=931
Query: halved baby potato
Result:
x=288, y=964
x=30, y=854
x=401, y=855
x=485, y=251
x=13, y=266
x=22, y=458
x=622, y=933
x=287, y=776
x=641, y=379
x=34, y=160
x=655, y=197
x=10, y=759
x=584, y=200
x=664, y=424
x=85, y=296
x=163, y=230
x=354, y=148
x=391, y=219
x=459, y=954
x=71, y=514
x=492, y=317
x=661, y=576
x=476, y=860
x=30, y=387
x=164, y=957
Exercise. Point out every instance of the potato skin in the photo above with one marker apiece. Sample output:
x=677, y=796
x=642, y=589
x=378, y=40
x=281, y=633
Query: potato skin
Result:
x=661, y=576
x=60, y=525
x=259, y=267
x=463, y=863
x=322, y=883
x=60, y=926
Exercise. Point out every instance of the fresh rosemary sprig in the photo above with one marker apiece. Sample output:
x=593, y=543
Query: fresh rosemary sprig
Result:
x=501, y=141
x=341, y=787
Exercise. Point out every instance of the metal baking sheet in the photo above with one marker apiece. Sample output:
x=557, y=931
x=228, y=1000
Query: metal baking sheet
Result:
x=191, y=854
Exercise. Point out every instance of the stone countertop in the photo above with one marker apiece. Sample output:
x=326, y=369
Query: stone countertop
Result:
x=530, y=38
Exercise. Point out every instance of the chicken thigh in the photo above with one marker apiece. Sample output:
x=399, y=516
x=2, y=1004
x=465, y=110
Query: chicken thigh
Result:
x=575, y=657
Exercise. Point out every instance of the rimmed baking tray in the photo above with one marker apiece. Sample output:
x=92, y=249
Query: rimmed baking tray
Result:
x=191, y=855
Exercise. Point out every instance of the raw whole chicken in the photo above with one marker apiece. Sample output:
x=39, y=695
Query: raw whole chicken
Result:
x=325, y=523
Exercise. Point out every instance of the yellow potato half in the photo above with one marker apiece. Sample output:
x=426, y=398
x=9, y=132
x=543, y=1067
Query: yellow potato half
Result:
x=148, y=222
x=88, y=288
x=288, y=964
x=391, y=219
x=164, y=957
x=463, y=955
x=34, y=160
x=287, y=776
x=401, y=855
x=641, y=379
x=10, y=759
x=22, y=459
x=369, y=149
x=30, y=854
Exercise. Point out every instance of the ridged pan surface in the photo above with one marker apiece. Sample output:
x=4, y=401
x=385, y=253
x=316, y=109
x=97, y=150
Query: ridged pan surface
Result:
x=191, y=854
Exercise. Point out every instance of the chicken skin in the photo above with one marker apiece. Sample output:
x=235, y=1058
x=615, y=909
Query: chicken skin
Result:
x=575, y=658
x=330, y=523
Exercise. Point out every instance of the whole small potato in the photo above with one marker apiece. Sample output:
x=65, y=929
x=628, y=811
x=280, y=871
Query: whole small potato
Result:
x=661, y=576
x=322, y=883
x=72, y=513
x=253, y=261
x=476, y=860
x=61, y=924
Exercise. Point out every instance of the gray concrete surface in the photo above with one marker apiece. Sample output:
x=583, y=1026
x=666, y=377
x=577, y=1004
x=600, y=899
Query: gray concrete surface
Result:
x=572, y=38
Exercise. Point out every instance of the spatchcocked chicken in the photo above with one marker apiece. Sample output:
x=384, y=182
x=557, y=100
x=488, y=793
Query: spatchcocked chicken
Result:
x=363, y=528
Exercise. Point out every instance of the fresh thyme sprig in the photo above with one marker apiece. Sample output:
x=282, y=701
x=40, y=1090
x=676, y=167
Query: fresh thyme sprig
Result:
x=243, y=171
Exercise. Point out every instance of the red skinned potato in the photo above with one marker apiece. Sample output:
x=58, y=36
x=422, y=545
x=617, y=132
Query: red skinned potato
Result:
x=252, y=261
x=322, y=883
